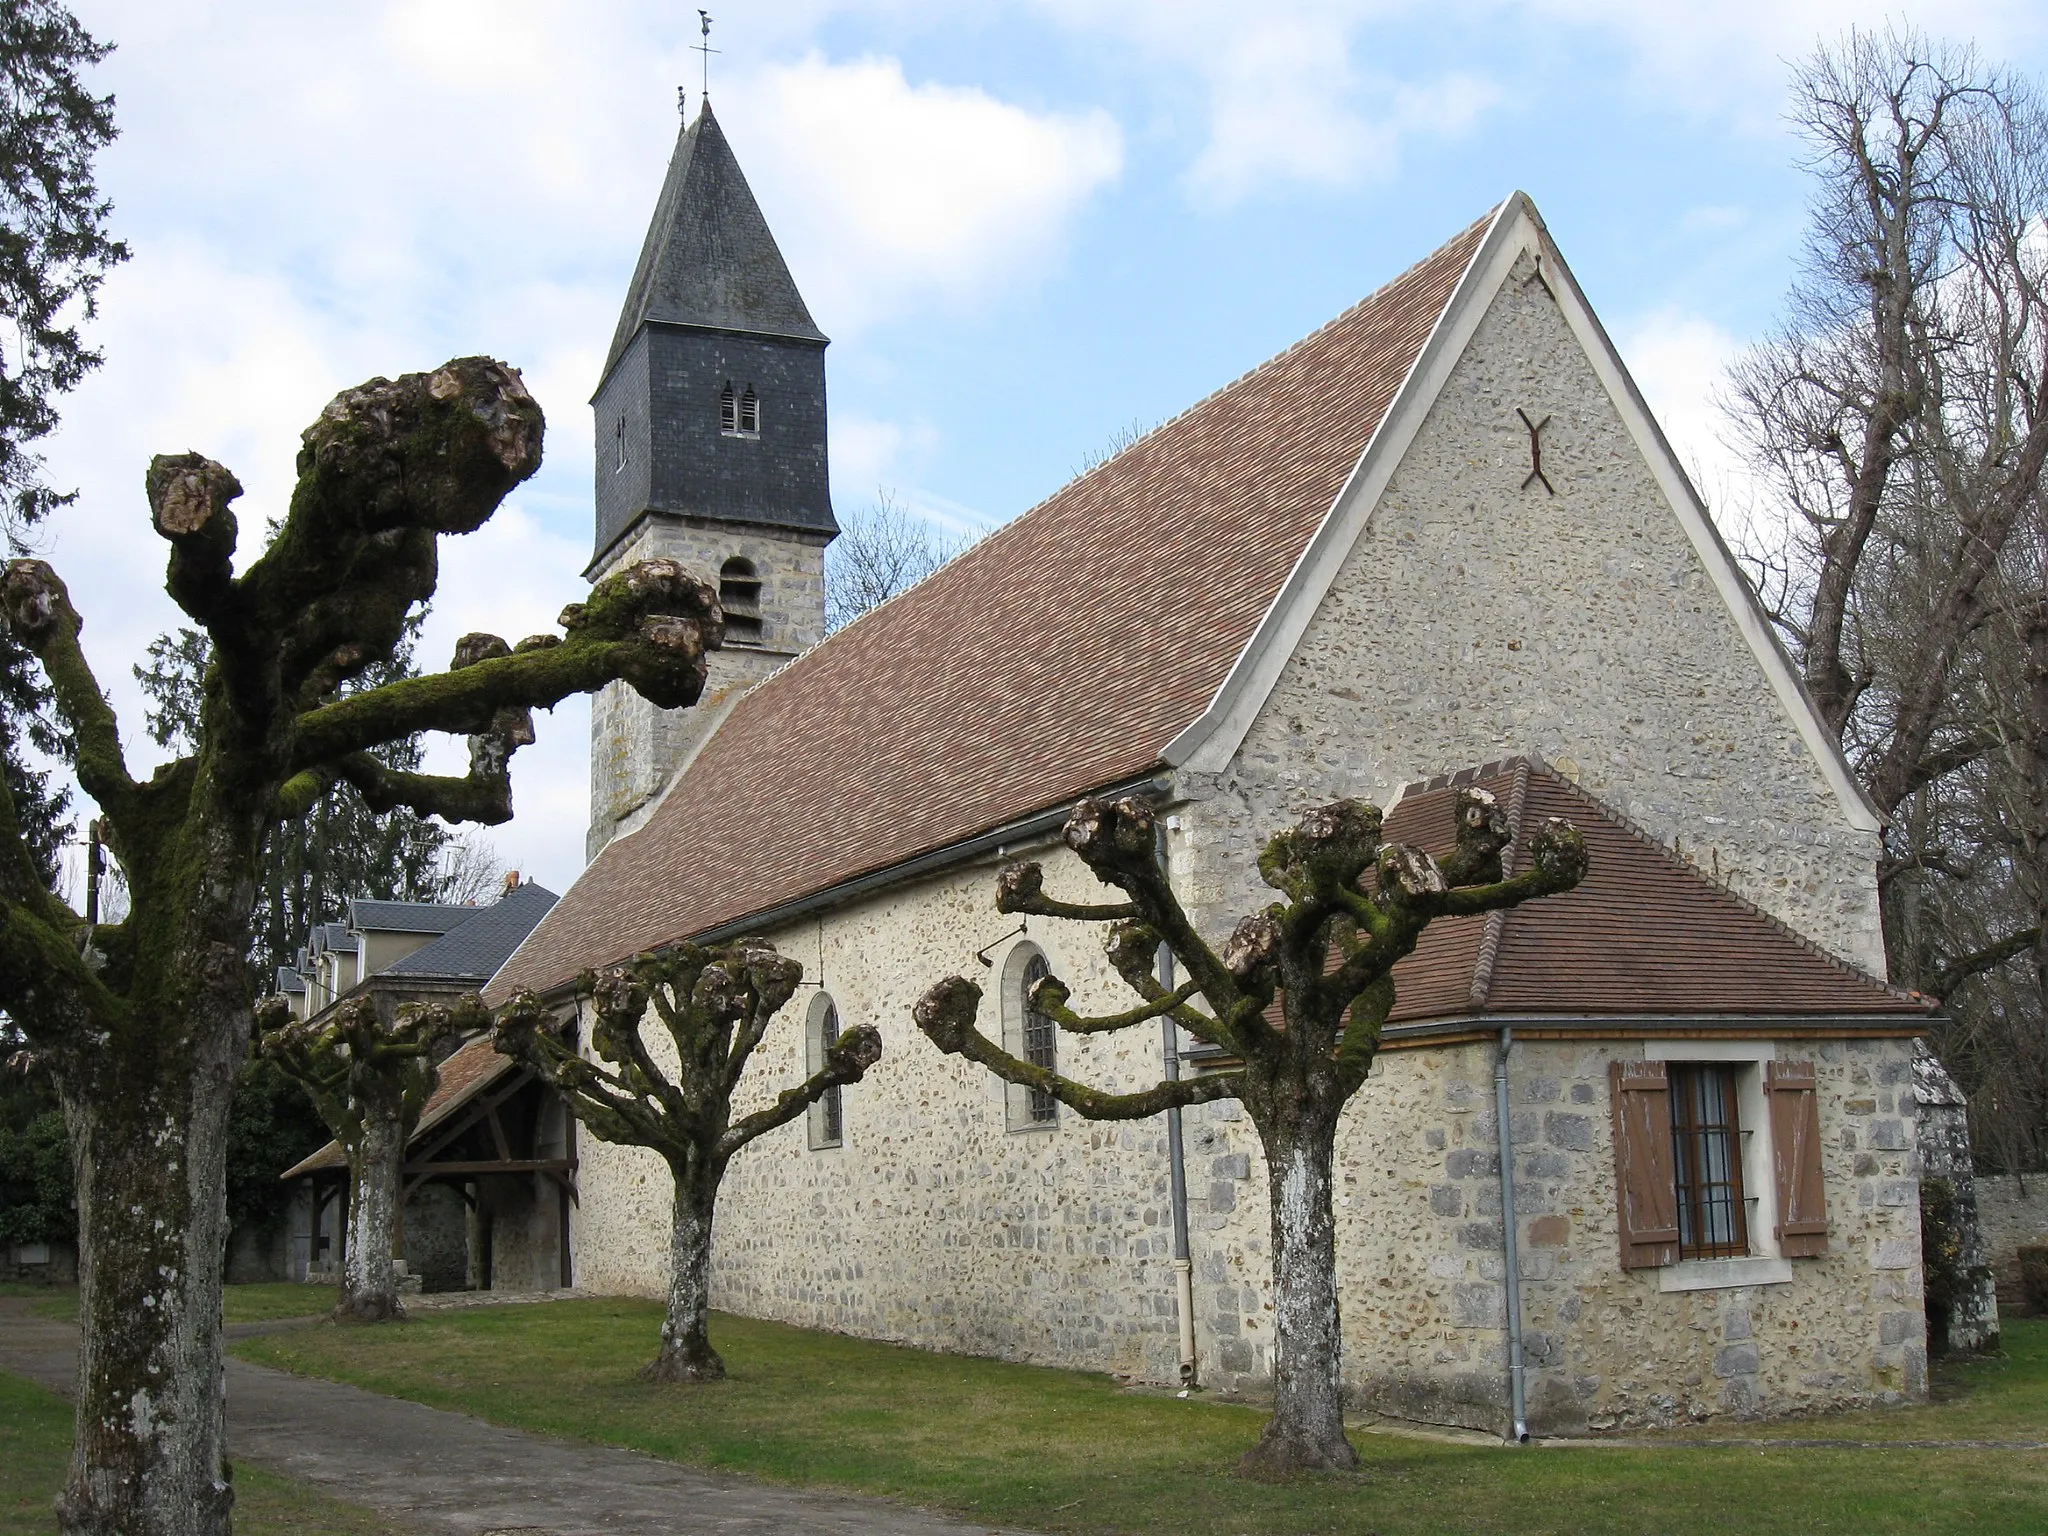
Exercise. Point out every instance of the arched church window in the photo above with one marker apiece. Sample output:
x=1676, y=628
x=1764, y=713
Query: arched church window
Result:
x=728, y=409
x=750, y=410
x=739, y=594
x=828, y=1114
x=1030, y=1034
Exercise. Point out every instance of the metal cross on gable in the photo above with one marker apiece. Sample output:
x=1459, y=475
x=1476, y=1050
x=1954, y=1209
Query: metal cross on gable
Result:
x=1535, y=451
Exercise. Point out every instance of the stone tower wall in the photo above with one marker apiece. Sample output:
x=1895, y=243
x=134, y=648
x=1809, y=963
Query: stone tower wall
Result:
x=636, y=748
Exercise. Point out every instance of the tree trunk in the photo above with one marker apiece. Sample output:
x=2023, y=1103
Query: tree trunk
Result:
x=149, y=1454
x=1306, y=1432
x=369, y=1284
x=686, y=1352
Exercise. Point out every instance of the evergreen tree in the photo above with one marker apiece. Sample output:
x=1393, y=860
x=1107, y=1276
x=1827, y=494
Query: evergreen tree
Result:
x=54, y=253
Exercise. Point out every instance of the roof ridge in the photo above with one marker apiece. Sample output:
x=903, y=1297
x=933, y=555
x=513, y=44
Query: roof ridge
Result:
x=1497, y=920
x=995, y=533
x=1287, y=351
x=1635, y=829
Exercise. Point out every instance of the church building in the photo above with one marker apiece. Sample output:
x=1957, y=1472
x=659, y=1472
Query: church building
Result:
x=1440, y=540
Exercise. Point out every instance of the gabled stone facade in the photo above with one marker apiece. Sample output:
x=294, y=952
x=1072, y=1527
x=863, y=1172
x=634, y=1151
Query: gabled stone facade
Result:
x=1449, y=607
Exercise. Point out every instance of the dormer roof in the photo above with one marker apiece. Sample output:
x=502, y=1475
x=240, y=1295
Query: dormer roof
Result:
x=709, y=259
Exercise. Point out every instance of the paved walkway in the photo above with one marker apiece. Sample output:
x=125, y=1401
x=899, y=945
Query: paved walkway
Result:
x=446, y=1472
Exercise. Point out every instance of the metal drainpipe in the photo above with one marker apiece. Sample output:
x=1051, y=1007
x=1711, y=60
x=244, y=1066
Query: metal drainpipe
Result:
x=1177, y=1170
x=1512, y=1279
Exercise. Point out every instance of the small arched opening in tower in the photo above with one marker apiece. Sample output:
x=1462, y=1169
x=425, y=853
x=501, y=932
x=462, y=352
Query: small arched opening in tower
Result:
x=739, y=594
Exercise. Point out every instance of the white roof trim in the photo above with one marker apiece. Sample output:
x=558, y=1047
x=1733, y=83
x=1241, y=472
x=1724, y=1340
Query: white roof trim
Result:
x=1212, y=740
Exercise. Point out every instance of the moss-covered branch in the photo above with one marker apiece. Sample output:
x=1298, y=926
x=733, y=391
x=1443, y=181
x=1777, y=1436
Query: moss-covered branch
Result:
x=847, y=1061
x=1049, y=996
x=39, y=614
x=947, y=1015
x=649, y=625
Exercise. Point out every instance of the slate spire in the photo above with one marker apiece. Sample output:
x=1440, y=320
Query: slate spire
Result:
x=709, y=258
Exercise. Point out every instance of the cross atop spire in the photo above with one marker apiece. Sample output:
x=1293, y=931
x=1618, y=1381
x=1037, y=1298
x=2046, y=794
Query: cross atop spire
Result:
x=705, y=48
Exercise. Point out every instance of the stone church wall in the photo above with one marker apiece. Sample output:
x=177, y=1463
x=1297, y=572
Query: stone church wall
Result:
x=1472, y=622
x=1475, y=620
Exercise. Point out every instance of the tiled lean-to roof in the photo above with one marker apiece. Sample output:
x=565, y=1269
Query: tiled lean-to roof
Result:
x=467, y=1072
x=1059, y=655
x=1645, y=934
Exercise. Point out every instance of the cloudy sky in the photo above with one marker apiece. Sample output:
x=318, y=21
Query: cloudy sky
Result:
x=1026, y=224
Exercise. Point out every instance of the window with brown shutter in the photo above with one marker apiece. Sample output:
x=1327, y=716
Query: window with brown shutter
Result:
x=1706, y=1160
x=1646, y=1197
x=1802, y=1229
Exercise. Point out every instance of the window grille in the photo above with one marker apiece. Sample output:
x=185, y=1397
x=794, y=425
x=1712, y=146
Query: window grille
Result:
x=831, y=1114
x=1706, y=1157
x=1041, y=1041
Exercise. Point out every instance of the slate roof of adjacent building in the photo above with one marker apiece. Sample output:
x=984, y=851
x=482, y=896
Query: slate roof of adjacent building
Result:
x=468, y=1070
x=333, y=936
x=709, y=258
x=1060, y=654
x=1645, y=934
x=484, y=940
x=289, y=980
x=367, y=916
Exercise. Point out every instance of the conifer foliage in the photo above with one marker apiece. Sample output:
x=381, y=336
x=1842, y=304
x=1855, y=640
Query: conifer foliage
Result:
x=1353, y=907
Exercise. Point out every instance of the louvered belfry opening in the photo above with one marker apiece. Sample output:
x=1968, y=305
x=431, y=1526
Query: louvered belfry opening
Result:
x=739, y=594
x=1041, y=1041
x=750, y=412
x=1706, y=1155
x=728, y=409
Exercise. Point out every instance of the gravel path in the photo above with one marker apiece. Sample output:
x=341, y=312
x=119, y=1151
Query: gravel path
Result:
x=446, y=1472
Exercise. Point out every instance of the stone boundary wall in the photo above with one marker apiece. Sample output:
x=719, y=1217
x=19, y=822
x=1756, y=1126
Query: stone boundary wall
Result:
x=2014, y=1211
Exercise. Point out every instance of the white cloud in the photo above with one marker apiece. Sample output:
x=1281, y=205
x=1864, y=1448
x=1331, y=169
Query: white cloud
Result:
x=1730, y=57
x=1680, y=362
x=312, y=201
x=883, y=193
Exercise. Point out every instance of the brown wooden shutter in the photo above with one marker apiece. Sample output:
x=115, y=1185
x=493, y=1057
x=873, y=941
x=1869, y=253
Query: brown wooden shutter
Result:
x=1802, y=1229
x=1646, y=1195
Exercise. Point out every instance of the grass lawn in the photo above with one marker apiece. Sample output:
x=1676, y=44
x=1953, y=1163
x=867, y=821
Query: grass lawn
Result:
x=35, y=1444
x=240, y=1303
x=1068, y=1452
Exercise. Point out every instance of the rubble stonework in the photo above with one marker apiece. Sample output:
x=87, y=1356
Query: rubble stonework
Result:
x=1582, y=627
x=636, y=747
x=1475, y=620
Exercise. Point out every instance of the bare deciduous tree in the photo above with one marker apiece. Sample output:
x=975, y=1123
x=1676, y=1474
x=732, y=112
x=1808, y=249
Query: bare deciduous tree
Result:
x=879, y=552
x=713, y=1006
x=1327, y=952
x=144, y=1022
x=369, y=1077
x=1899, y=421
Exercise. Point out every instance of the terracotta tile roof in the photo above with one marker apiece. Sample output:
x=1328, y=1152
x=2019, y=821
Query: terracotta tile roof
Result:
x=1645, y=933
x=1057, y=656
x=473, y=1067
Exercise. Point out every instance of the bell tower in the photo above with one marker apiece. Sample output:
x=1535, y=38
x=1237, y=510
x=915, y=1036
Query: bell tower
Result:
x=711, y=451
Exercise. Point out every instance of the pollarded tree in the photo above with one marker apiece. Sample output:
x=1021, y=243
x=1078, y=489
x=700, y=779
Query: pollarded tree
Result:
x=714, y=1006
x=1327, y=952
x=369, y=1077
x=143, y=1023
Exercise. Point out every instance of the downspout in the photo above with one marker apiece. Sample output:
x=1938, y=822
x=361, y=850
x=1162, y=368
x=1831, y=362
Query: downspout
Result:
x=1510, y=1247
x=1177, y=1172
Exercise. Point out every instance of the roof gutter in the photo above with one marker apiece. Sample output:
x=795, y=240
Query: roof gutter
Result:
x=995, y=841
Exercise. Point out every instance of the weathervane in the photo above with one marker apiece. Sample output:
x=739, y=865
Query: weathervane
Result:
x=707, y=50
